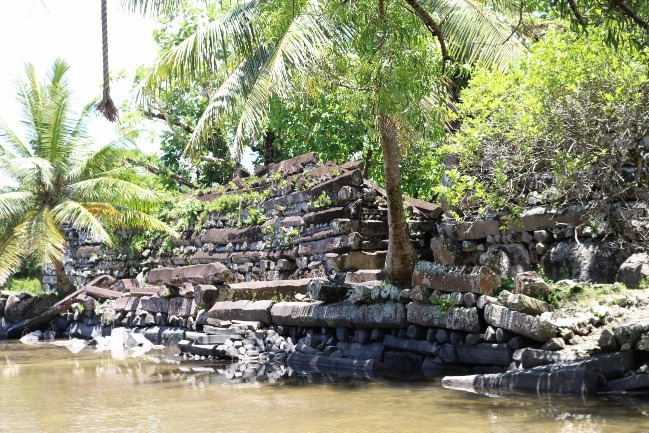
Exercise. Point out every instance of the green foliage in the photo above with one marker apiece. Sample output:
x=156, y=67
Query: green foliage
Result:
x=322, y=201
x=27, y=285
x=60, y=176
x=573, y=109
x=444, y=302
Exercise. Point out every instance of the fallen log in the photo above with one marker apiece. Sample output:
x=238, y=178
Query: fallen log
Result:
x=35, y=322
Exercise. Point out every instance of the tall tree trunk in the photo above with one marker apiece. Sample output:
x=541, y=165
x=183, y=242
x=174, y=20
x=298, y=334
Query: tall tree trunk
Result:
x=106, y=105
x=63, y=284
x=269, y=147
x=402, y=257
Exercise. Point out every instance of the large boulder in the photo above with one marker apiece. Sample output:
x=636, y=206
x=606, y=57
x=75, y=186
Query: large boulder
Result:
x=586, y=260
x=507, y=260
x=455, y=278
x=634, y=271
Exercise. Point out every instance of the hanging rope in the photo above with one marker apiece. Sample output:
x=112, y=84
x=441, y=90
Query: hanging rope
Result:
x=106, y=106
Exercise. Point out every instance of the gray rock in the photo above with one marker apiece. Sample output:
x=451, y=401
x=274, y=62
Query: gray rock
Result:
x=459, y=319
x=630, y=383
x=588, y=260
x=473, y=338
x=526, y=304
x=484, y=353
x=359, y=351
x=324, y=291
x=489, y=335
x=535, y=327
x=634, y=270
x=554, y=344
x=403, y=363
x=529, y=358
x=607, y=341
x=419, y=346
x=454, y=279
x=506, y=260
x=502, y=336
x=530, y=283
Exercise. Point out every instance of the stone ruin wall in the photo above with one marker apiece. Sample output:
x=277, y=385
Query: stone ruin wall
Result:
x=325, y=220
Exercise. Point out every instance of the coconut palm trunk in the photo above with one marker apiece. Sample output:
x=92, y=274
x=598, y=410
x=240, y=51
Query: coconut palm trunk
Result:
x=401, y=257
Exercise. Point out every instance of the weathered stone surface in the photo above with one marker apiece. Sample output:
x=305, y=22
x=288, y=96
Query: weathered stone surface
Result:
x=477, y=230
x=205, y=295
x=292, y=313
x=580, y=381
x=506, y=260
x=537, y=328
x=530, y=284
x=147, y=291
x=485, y=353
x=282, y=289
x=459, y=319
x=634, y=270
x=202, y=338
x=258, y=311
x=607, y=341
x=610, y=365
x=154, y=304
x=629, y=334
x=355, y=260
x=588, y=260
x=332, y=186
x=224, y=236
x=455, y=279
x=211, y=273
x=166, y=335
x=389, y=315
x=322, y=290
x=446, y=251
x=186, y=346
x=99, y=293
x=160, y=275
x=364, y=276
x=526, y=304
x=16, y=309
x=228, y=310
x=325, y=216
x=631, y=383
x=338, y=366
x=181, y=307
x=419, y=346
x=360, y=351
x=81, y=330
x=528, y=357
x=336, y=244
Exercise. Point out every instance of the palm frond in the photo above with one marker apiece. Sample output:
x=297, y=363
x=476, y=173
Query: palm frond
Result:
x=152, y=7
x=304, y=39
x=87, y=162
x=13, y=204
x=123, y=217
x=115, y=191
x=28, y=170
x=10, y=144
x=12, y=245
x=197, y=55
x=44, y=242
x=81, y=218
x=474, y=33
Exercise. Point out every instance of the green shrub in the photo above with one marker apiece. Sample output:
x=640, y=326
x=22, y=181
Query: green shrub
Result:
x=567, y=117
x=27, y=285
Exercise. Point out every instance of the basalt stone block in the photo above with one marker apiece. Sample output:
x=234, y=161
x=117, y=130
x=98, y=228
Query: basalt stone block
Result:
x=579, y=380
x=535, y=327
x=265, y=289
x=485, y=353
x=211, y=273
x=455, y=279
x=325, y=216
x=477, y=230
x=364, y=276
x=419, y=346
x=335, y=244
x=338, y=315
x=81, y=330
x=224, y=236
x=258, y=311
x=529, y=358
x=636, y=382
x=202, y=338
x=16, y=309
x=360, y=351
x=148, y=291
x=228, y=310
x=526, y=304
x=293, y=314
x=323, y=291
x=355, y=260
x=205, y=295
x=99, y=293
x=160, y=276
x=530, y=283
x=197, y=349
x=389, y=315
x=181, y=307
x=456, y=318
x=166, y=335
x=154, y=304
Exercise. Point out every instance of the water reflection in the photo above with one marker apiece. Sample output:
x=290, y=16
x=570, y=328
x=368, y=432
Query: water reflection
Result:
x=47, y=388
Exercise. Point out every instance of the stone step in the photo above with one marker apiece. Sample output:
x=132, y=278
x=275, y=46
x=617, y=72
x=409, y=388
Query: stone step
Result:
x=447, y=278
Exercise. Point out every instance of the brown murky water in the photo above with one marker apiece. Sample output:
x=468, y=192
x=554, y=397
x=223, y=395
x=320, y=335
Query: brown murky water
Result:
x=48, y=389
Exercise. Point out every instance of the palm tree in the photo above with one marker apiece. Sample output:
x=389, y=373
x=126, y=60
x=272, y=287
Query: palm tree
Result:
x=57, y=176
x=262, y=66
